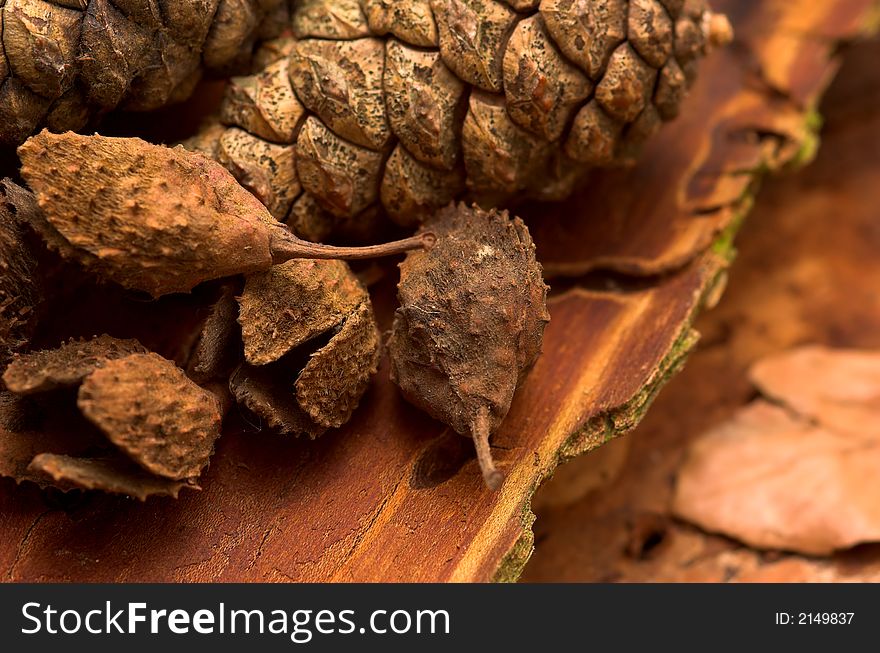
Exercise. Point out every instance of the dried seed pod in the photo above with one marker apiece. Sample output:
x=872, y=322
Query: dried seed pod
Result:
x=20, y=291
x=65, y=366
x=158, y=219
x=292, y=381
x=265, y=169
x=264, y=104
x=109, y=53
x=470, y=323
x=25, y=433
x=216, y=352
x=112, y=475
x=518, y=86
x=147, y=407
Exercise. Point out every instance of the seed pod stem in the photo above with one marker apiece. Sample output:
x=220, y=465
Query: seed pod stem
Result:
x=286, y=246
x=480, y=431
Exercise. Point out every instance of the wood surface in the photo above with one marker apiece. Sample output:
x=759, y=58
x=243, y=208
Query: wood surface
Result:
x=807, y=272
x=394, y=495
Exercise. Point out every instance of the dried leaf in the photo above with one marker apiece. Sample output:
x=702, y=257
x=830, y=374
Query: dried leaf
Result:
x=65, y=366
x=147, y=407
x=838, y=388
x=800, y=477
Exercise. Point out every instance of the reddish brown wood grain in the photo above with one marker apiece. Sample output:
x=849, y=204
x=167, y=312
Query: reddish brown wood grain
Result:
x=394, y=495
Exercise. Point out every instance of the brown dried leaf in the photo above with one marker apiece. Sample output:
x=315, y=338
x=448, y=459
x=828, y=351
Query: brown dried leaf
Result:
x=800, y=476
x=147, y=407
x=838, y=388
x=65, y=366
x=113, y=475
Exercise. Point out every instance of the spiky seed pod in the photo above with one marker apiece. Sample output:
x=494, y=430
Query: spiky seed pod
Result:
x=157, y=219
x=20, y=291
x=147, y=407
x=65, y=62
x=65, y=366
x=291, y=380
x=493, y=100
x=470, y=323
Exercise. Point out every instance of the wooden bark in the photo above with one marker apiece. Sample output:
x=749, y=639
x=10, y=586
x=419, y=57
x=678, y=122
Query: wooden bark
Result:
x=395, y=496
x=807, y=272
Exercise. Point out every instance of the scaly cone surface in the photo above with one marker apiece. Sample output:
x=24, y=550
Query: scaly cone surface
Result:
x=408, y=105
x=65, y=62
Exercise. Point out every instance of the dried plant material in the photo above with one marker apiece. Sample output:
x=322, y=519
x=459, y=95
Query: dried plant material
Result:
x=331, y=384
x=292, y=303
x=25, y=433
x=83, y=59
x=264, y=104
x=778, y=481
x=231, y=38
x=412, y=190
x=266, y=392
x=112, y=475
x=411, y=22
x=342, y=84
x=217, y=350
x=424, y=102
x=147, y=407
x=157, y=219
x=290, y=379
x=627, y=86
x=470, y=323
x=309, y=221
x=207, y=140
x=543, y=90
x=796, y=476
x=267, y=170
x=65, y=366
x=342, y=177
x=473, y=35
x=519, y=97
x=329, y=19
x=499, y=156
x=836, y=387
x=20, y=290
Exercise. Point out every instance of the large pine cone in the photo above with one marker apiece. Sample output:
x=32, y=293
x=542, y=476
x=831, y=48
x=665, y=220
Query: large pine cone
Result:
x=409, y=104
x=65, y=62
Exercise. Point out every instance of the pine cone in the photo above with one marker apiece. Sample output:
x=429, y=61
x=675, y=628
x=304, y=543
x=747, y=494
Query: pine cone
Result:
x=64, y=62
x=409, y=104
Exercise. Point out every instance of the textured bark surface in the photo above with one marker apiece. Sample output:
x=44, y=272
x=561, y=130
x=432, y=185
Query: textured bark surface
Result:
x=806, y=272
x=394, y=495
